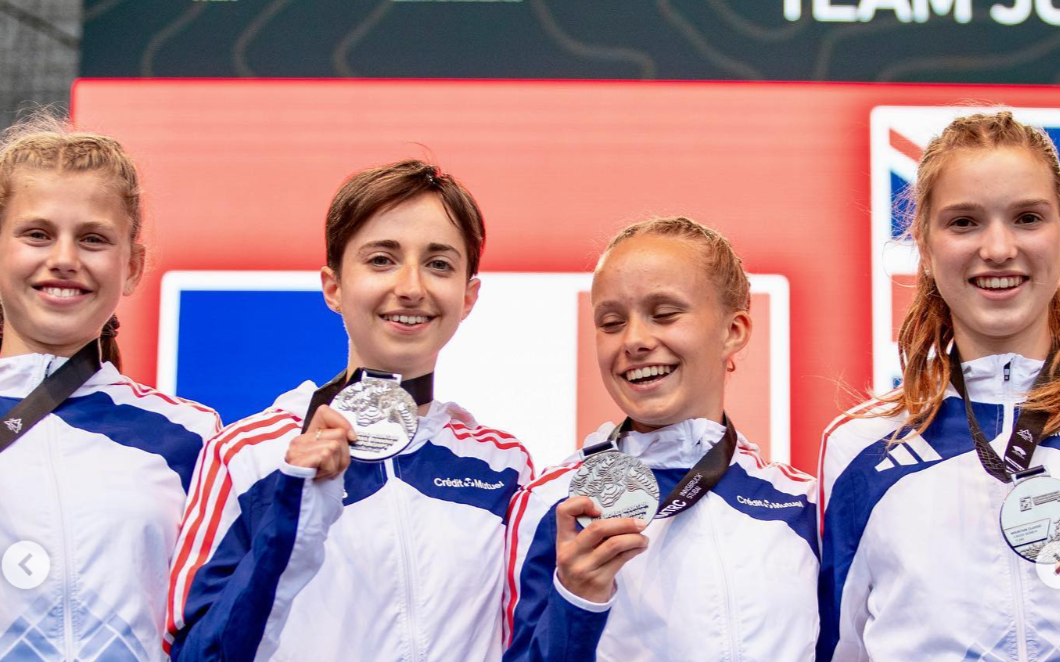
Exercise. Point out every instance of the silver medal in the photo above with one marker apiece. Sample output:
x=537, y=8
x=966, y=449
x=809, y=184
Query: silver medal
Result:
x=620, y=484
x=383, y=415
x=1030, y=515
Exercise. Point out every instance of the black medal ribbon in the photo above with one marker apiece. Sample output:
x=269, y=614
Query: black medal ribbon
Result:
x=50, y=393
x=420, y=388
x=1026, y=431
x=703, y=476
x=699, y=480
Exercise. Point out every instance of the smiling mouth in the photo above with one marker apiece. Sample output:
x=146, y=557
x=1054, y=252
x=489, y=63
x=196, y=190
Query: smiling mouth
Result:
x=996, y=283
x=61, y=292
x=647, y=374
x=407, y=320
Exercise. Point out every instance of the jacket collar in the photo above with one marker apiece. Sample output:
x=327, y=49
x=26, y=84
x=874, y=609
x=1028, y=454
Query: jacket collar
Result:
x=19, y=375
x=676, y=446
x=985, y=378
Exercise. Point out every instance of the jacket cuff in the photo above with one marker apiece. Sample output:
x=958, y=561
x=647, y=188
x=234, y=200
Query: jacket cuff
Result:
x=297, y=472
x=582, y=603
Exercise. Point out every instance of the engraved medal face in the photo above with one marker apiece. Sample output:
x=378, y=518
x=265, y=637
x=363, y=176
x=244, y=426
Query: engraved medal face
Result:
x=620, y=484
x=383, y=415
x=1030, y=516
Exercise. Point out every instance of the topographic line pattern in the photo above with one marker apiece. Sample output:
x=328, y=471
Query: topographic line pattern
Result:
x=557, y=39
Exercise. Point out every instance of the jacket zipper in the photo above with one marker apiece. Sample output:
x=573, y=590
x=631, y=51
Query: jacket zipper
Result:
x=55, y=460
x=1013, y=562
x=730, y=608
x=407, y=565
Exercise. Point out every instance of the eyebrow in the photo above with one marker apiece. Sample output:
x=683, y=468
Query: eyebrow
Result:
x=390, y=244
x=87, y=226
x=380, y=243
x=972, y=206
x=653, y=299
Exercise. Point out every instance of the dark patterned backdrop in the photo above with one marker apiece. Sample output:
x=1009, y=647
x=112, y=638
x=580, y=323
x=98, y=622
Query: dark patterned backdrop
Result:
x=579, y=39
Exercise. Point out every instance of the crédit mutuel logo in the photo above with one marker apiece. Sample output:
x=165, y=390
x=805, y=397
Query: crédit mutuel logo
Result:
x=467, y=482
x=766, y=503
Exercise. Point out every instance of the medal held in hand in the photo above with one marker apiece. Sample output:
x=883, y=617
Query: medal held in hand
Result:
x=1030, y=515
x=620, y=484
x=382, y=414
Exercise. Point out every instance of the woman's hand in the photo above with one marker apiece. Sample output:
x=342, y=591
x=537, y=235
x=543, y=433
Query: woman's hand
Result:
x=587, y=561
x=325, y=445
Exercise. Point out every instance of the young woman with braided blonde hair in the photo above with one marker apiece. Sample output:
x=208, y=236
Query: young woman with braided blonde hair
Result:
x=727, y=567
x=925, y=551
x=94, y=468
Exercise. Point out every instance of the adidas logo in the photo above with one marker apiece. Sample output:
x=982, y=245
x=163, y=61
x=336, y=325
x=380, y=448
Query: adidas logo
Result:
x=913, y=450
x=14, y=424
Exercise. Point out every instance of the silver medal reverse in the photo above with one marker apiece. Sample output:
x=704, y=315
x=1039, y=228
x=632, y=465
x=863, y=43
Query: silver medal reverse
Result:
x=1030, y=516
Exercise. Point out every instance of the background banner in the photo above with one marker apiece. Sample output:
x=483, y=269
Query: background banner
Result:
x=239, y=175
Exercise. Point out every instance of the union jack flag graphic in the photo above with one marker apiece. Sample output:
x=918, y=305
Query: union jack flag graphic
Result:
x=899, y=135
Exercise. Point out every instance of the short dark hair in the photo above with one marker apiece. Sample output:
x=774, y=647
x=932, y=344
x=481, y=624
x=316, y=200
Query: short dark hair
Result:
x=369, y=192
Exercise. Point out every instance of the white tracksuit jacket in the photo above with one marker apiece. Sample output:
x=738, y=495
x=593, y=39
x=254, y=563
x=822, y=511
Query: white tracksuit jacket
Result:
x=397, y=560
x=99, y=484
x=914, y=565
x=732, y=579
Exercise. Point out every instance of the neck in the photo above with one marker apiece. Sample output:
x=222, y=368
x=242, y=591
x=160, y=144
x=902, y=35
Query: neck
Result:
x=711, y=414
x=13, y=345
x=1035, y=345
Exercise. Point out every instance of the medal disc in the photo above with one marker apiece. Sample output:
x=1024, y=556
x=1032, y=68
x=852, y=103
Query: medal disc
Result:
x=620, y=484
x=383, y=415
x=1048, y=564
x=1030, y=515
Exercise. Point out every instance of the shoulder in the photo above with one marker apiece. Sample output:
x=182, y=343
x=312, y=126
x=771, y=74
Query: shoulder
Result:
x=533, y=502
x=253, y=447
x=781, y=476
x=497, y=447
x=862, y=430
x=196, y=417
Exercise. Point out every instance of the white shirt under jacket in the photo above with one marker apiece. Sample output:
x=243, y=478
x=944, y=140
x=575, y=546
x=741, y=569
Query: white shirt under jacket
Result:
x=733, y=579
x=914, y=565
x=99, y=484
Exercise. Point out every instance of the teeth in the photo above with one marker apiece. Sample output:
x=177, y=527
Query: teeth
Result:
x=995, y=283
x=60, y=291
x=649, y=371
x=407, y=319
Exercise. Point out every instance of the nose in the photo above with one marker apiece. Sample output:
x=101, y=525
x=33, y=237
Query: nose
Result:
x=64, y=256
x=999, y=243
x=409, y=286
x=637, y=338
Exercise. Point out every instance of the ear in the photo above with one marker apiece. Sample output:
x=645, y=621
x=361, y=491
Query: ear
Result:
x=329, y=284
x=737, y=335
x=470, y=296
x=137, y=262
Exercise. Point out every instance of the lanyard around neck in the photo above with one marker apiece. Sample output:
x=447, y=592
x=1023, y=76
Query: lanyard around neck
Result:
x=420, y=388
x=1026, y=431
x=50, y=394
x=699, y=480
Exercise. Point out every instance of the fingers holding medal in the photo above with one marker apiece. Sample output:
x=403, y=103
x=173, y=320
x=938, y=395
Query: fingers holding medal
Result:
x=588, y=560
x=325, y=445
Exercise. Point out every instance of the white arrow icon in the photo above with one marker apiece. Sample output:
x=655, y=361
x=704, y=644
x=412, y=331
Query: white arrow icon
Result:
x=25, y=565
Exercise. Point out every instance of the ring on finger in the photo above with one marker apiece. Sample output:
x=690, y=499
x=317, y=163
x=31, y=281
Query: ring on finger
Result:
x=317, y=438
